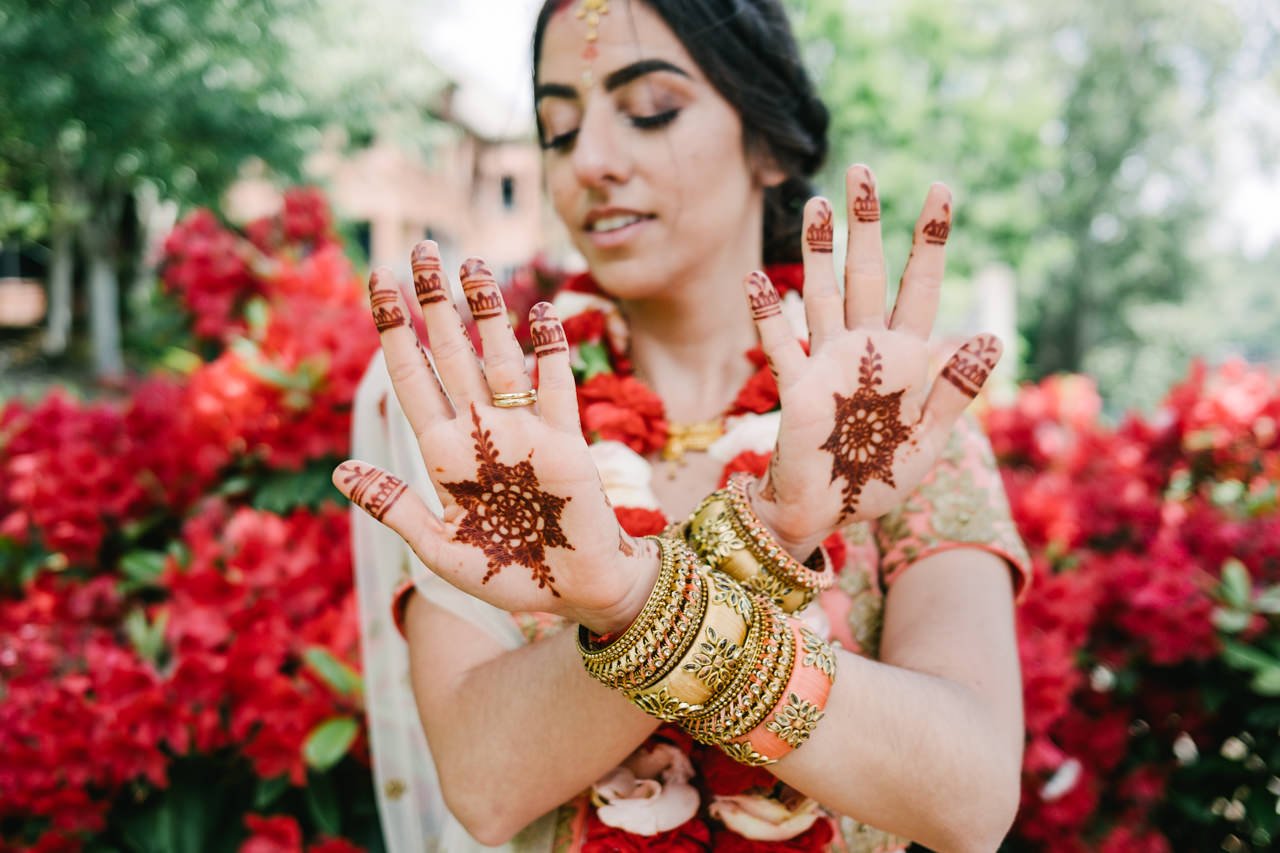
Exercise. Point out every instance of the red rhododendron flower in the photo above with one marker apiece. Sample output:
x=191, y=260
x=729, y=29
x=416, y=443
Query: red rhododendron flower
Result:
x=692, y=836
x=641, y=522
x=748, y=460
x=622, y=408
x=813, y=840
x=278, y=834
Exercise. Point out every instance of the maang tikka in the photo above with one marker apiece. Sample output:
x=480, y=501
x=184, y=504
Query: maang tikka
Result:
x=591, y=11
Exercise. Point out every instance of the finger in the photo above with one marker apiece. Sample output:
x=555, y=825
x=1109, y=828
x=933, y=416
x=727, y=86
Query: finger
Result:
x=960, y=381
x=412, y=376
x=504, y=365
x=557, y=395
x=390, y=500
x=777, y=338
x=822, y=298
x=864, y=279
x=917, y=304
x=454, y=356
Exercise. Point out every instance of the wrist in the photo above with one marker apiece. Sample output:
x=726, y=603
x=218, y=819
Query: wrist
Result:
x=643, y=566
x=799, y=545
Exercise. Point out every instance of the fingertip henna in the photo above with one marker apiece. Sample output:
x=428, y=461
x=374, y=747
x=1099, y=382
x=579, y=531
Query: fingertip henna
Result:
x=384, y=302
x=763, y=297
x=820, y=232
x=937, y=230
x=545, y=331
x=373, y=490
x=971, y=366
x=866, y=207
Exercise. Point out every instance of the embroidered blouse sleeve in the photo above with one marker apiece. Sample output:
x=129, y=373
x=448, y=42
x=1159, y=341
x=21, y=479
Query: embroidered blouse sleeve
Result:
x=960, y=504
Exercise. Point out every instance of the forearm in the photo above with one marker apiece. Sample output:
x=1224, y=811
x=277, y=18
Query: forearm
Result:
x=516, y=733
x=913, y=754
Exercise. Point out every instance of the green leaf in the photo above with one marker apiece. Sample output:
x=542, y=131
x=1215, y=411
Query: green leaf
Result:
x=1240, y=656
x=1268, y=601
x=322, y=802
x=1236, y=587
x=1231, y=621
x=1267, y=682
x=142, y=569
x=180, y=360
x=329, y=742
x=269, y=790
x=343, y=679
x=284, y=491
x=593, y=359
x=146, y=637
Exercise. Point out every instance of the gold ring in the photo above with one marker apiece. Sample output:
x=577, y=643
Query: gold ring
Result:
x=515, y=399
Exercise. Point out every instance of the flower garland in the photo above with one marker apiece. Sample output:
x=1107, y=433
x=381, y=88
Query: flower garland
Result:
x=671, y=793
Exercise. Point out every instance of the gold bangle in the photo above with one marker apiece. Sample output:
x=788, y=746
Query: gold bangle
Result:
x=764, y=670
x=726, y=532
x=663, y=631
x=710, y=661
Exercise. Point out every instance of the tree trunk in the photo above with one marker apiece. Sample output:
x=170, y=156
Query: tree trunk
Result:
x=57, y=332
x=100, y=243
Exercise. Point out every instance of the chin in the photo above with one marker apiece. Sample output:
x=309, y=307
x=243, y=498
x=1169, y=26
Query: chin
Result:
x=630, y=278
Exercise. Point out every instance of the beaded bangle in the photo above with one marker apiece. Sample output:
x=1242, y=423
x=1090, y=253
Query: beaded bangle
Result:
x=710, y=660
x=793, y=719
x=727, y=533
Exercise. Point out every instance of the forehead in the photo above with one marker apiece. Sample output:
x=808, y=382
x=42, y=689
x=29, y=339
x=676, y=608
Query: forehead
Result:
x=629, y=31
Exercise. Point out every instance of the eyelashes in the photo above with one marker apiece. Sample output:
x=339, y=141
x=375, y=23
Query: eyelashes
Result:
x=564, y=141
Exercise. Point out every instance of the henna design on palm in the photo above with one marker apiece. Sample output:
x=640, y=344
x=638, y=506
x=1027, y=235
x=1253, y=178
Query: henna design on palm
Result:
x=937, y=231
x=386, y=307
x=547, y=334
x=763, y=297
x=867, y=432
x=481, y=290
x=428, y=283
x=507, y=515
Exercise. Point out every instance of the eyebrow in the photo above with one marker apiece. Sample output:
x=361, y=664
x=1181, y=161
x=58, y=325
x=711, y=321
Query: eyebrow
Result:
x=615, y=80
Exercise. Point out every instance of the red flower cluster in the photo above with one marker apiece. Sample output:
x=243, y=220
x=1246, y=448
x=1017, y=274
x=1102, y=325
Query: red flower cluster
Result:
x=622, y=408
x=1130, y=529
x=210, y=269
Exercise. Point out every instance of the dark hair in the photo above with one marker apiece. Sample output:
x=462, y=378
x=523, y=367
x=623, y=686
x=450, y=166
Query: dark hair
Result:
x=748, y=53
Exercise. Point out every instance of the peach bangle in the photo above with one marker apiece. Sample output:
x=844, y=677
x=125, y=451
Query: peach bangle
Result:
x=794, y=718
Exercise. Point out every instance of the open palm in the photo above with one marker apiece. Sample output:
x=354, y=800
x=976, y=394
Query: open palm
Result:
x=861, y=426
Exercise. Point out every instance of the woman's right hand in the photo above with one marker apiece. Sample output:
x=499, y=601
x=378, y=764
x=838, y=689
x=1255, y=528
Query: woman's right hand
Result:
x=526, y=524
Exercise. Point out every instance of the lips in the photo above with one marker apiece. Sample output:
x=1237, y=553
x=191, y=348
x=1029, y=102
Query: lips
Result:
x=607, y=221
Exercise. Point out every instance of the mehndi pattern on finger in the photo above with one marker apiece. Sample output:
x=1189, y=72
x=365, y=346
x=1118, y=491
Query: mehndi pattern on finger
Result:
x=937, y=230
x=763, y=297
x=385, y=305
x=866, y=207
x=481, y=290
x=820, y=234
x=508, y=516
x=546, y=332
x=972, y=364
x=428, y=280
x=867, y=433
x=373, y=490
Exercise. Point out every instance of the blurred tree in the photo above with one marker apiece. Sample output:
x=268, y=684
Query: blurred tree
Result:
x=1080, y=141
x=99, y=97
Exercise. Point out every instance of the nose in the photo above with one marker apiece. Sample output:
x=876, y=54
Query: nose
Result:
x=600, y=153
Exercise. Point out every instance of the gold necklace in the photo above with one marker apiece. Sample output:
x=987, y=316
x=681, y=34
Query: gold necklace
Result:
x=694, y=437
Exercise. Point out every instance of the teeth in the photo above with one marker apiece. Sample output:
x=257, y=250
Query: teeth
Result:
x=612, y=223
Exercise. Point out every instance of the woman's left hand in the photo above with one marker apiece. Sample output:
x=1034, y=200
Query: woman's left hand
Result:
x=861, y=427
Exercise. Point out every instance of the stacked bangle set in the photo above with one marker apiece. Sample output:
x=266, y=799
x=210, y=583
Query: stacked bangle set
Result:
x=713, y=648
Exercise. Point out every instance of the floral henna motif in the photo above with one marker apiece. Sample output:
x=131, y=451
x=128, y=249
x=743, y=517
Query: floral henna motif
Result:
x=763, y=297
x=387, y=313
x=867, y=433
x=819, y=234
x=866, y=207
x=483, y=296
x=428, y=283
x=374, y=491
x=937, y=231
x=507, y=515
x=969, y=368
x=546, y=332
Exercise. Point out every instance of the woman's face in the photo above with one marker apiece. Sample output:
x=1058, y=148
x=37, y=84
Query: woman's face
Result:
x=644, y=159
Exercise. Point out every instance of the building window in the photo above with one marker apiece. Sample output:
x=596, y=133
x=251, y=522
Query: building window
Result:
x=508, y=192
